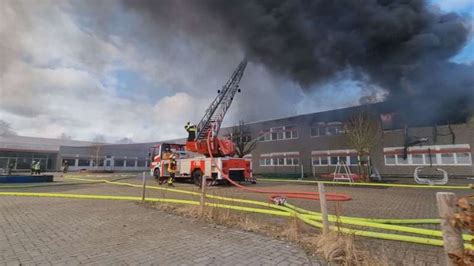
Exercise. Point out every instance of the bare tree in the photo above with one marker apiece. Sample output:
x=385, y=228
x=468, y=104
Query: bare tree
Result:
x=99, y=138
x=125, y=141
x=6, y=129
x=64, y=136
x=96, y=148
x=242, y=138
x=362, y=131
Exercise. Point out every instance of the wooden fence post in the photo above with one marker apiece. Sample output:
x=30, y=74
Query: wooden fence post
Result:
x=302, y=172
x=324, y=208
x=203, y=195
x=452, y=235
x=143, y=186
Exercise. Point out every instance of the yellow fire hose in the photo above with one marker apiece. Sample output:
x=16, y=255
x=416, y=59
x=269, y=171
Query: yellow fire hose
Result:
x=305, y=215
x=265, y=204
x=374, y=220
x=287, y=213
x=365, y=184
x=370, y=223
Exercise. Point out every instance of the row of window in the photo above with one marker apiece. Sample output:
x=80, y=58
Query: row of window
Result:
x=279, y=133
x=107, y=163
x=324, y=160
x=25, y=163
x=290, y=132
x=279, y=161
x=457, y=158
x=327, y=130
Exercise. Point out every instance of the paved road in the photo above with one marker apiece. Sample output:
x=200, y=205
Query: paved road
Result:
x=66, y=231
x=366, y=202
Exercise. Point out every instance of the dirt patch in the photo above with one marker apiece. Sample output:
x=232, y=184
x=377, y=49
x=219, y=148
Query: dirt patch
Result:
x=335, y=247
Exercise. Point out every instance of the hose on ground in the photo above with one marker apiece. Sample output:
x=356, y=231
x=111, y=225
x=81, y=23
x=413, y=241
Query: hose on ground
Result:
x=276, y=194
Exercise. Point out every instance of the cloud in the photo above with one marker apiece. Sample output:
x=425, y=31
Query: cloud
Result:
x=63, y=67
x=455, y=5
x=59, y=66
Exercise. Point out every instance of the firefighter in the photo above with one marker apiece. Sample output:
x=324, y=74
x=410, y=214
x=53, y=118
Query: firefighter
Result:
x=11, y=165
x=33, y=164
x=191, y=129
x=65, y=166
x=37, y=168
x=172, y=170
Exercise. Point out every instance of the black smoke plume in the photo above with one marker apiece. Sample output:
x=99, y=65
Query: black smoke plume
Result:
x=402, y=46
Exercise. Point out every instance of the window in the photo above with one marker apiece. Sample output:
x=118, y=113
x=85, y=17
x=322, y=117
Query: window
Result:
x=432, y=158
x=130, y=163
x=315, y=160
x=296, y=161
x=70, y=162
x=280, y=135
x=353, y=160
x=294, y=134
x=463, y=158
x=401, y=159
x=265, y=162
x=334, y=128
x=23, y=163
x=318, y=131
x=274, y=136
x=332, y=131
x=84, y=162
x=291, y=132
x=390, y=159
x=447, y=158
x=118, y=162
x=248, y=138
x=334, y=160
x=417, y=159
x=141, y=163
x=324, y=160
x=456, y=154
x=281, y=161
x=99, y=162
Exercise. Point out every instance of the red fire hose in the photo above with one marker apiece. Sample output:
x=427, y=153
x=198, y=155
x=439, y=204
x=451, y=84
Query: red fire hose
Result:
x=280, y=194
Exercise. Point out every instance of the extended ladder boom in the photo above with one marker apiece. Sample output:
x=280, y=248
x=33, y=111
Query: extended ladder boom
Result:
x=214, y=115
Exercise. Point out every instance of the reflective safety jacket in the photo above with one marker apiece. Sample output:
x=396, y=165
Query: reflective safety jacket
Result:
x=172, y=166
x=190, y=127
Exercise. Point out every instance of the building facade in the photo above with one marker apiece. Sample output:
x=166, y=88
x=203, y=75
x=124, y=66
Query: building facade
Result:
x=21, y=151
x=107, y=157
x=315, y=143
x=311, y=144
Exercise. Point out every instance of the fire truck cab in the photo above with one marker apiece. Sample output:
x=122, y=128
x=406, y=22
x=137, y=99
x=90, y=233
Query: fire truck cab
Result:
x=194, y=166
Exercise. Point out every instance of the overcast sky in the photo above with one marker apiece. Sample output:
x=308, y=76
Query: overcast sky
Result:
x=90, y=68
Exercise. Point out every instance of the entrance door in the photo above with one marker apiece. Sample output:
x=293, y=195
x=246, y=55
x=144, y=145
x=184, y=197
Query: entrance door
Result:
x=3, y=165
x=12, y=161
x=108, y=164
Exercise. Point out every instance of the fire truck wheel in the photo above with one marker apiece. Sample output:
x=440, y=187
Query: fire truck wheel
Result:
x=197, y=177
x=156, y=173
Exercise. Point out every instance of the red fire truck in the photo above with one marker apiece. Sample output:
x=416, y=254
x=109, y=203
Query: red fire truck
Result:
x=193, y=166
x=205, y=154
